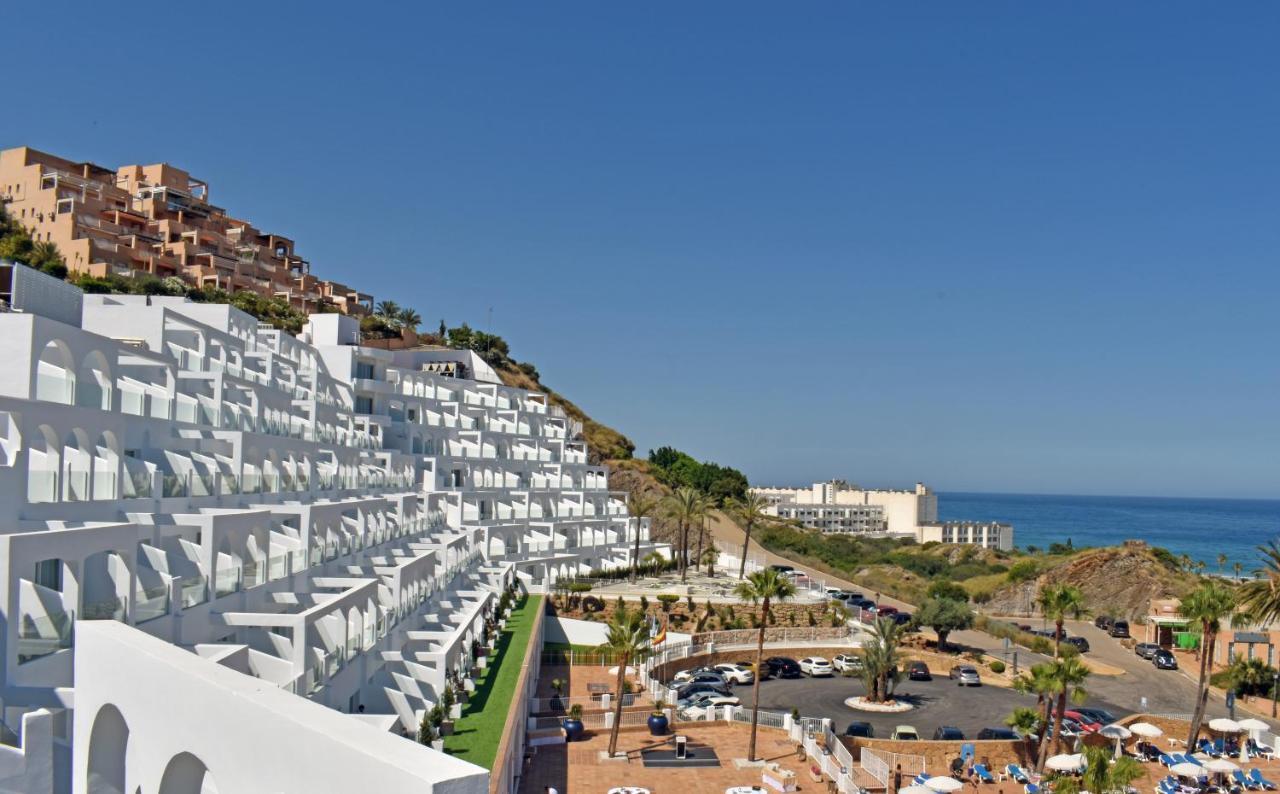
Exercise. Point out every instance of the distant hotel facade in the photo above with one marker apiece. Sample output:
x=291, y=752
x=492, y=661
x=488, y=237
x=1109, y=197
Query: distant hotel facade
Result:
x=836, y=506
x=233, y=560
x=158, y=220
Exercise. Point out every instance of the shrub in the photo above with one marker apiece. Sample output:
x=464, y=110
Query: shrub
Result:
x=579, y=587
x=1023, y=570
x=667, y=600
x=996, y=666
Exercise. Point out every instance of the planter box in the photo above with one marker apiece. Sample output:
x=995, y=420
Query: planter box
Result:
x=446, y=728
x=455, y=711
x=438, y=745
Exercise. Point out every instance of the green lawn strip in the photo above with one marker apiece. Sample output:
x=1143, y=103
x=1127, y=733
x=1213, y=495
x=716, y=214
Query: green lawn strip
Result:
x=477, y=733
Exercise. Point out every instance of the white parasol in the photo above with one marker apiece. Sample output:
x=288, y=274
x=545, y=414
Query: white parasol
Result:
x=1224, y=725
x=1117, y=732
x=1073, y=762
x=1145, y=729
x=915, y=790
x=1187, y=769
x=1220, y=765
x=943, y=785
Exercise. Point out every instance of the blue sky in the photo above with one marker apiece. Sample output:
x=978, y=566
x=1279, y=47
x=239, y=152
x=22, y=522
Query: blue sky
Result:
x=1003, y=247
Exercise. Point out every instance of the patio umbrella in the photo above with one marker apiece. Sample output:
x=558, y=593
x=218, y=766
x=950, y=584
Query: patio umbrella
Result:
x=1224, y=725
x=1145, y=729
x=1073, y=762
x=915, y=790
x=943, y=785
x=1117, y=732
x=1187, y=769
x=1255, y=727
x=1220, y=765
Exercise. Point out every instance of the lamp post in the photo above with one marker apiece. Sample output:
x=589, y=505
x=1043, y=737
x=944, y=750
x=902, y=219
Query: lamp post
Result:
x=1275, y=685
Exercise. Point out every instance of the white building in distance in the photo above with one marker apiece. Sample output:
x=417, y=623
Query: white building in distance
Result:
x=237, y=561
x=836, y=506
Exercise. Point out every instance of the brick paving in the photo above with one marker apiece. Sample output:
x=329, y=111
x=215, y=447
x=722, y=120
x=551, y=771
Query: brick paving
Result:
x=576, y=768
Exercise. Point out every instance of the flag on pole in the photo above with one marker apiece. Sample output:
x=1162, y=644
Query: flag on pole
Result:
x=661, y=636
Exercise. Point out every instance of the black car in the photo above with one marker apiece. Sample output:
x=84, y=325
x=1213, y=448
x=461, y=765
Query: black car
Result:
x=996, y=733
x=919, y=671
x=947, y=733
x=901, y=618
x=1119, y=628
x=1082, y=645
x=862, y=730
x=689, y=690
x=1146, y=650
x=861, y=603
x=1163, y=660
x=1104, y=622
x=782, y=667
x=781, y=568
x=1100, y=716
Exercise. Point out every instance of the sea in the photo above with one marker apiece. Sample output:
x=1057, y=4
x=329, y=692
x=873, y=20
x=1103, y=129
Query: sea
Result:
x=1199, y=528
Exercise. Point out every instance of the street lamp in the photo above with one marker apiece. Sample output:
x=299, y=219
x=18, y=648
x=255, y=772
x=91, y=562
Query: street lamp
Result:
x=1275, y=685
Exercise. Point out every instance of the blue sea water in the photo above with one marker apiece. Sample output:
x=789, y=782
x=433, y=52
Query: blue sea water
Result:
x=1200, y=528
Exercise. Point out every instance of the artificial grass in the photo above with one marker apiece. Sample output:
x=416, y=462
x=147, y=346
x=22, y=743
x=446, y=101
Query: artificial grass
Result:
x=477, y=733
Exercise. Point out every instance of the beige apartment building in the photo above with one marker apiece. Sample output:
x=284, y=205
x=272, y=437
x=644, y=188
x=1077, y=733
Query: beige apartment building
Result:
x=157, y=219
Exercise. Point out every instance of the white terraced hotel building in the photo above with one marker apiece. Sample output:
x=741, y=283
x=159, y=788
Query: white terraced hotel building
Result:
x=237, y=561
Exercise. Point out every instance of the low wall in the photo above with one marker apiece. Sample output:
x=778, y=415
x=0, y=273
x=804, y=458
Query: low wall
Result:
x=938, y=755
x=504, y=776
x=774, y=634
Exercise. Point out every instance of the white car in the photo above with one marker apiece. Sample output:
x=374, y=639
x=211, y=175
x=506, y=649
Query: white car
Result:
x=816, y=666
x=685, y=676
x=847, y=662
x=701, y=703
x=736, y=673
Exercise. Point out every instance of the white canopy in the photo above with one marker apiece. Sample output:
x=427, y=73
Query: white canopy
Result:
x=915, y=790
x=1253, y=724
x=1224, y=725
x=1145, y=729
x=1065, y=763
x=1187, y=769
x=943, y=785
x=1220, y=765
x=1115, y=731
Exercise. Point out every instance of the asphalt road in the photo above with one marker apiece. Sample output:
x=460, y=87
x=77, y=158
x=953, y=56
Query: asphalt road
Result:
x=937, y=702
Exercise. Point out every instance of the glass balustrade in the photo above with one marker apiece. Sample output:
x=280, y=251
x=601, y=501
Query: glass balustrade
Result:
x=41, y=635
x=151, y=602
x=193, y=590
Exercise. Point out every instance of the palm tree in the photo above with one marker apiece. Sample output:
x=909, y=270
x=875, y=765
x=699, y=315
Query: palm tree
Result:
x=1069, y=676
x=388, y=310
x=686, y=507
x=1222, y=564
x=408, y=318
x=639, y=506
x=709, y=558
x=748, y=512
x=628, y=641
x=1237, y=568
x=1208, y=604
x=1260, y=596
x=1027, y=722
x=1039, y=681
x=880, y=658
x=1102, y=774
x=764, y=587
x=1057, y=602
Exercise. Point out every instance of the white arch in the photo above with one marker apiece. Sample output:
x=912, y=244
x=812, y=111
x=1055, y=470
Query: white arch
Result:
x=55, y=379
x=186, y=774
x=108, y=743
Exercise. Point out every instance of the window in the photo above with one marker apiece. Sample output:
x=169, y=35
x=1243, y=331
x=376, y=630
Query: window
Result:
x=49, y=574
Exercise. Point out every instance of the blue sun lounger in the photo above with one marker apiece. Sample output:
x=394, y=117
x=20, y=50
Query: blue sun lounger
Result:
x=1014, y=771
x=1255, y=775
x=1244, y=780
x=983, y=773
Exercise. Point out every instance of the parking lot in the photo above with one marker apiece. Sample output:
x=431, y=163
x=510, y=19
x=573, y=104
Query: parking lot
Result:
x=937, y=702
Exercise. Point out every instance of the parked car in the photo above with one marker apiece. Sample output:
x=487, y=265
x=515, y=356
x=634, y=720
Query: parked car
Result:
x=765, y=672
x=1119, y=629
x=997, y=733
x=736, y=673
x=860, y=729
x=815, y=666
x=1146, y=650
x=687, y=691
x=862, y=603
x=1082, y=645
x=919, y=671
x=706, y=677
x=1104, y=622
x=847, y=662
x=884, y=610
x=782, y=667
x=1100, y=716
x=685, y=676
x=1087, y=723
x=782, y=568
x=905, y=733
x=902, y=618
x=1164, y=660
x=947, y=733
x=965, y=675
x=707, y=700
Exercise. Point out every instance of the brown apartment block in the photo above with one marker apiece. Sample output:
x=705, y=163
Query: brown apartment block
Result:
x=157, y=219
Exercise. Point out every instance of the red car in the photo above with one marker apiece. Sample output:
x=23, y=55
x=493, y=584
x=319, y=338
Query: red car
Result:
x=1089, y=725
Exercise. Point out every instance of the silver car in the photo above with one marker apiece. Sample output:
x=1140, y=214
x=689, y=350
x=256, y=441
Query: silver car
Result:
x=965, y=675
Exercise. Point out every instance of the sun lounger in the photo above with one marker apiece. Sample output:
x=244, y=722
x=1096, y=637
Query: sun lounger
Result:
x=1031, y=788
x=920, y=779
x=1244, y=780
x=1014, y=771
x=1208, y=748
x=1255, y=775
x=983, y=773
x=1167, y=760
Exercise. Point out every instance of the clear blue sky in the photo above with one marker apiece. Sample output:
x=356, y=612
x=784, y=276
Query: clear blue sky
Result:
x=1004, y=247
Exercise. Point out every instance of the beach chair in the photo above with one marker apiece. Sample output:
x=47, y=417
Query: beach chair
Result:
x=1031, y=788
x=1255, y=775
x=1219, y=746
x=1244, y=781
x=983, y=773
x=920, y=779
x=1166, y=759
x=1260, y=749
x=1207, y=747
x=1014, y=771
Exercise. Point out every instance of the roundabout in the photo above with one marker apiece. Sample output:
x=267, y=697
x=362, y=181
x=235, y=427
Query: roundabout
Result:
x=859, y=703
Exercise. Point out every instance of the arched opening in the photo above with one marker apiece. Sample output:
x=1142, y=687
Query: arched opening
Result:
x=44, y=458
x=93, y=382
x=106, y=467
x=55, y=381
x=108, y=742
x=77, y=465
x=186, y=774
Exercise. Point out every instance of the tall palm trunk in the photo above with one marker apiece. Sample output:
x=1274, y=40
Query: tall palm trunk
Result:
x=755, y=687
x=635, y=555
x=1057, y=640
x=1057, y=731
x=1207, y=637
x=702, y=530
x=746, y=543
x=617, y=707
x=684, y=550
